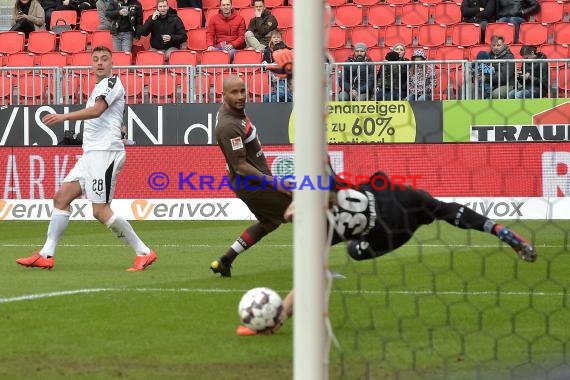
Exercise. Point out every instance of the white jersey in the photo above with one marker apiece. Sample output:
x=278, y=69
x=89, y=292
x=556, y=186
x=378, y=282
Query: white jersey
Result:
x=104, y=132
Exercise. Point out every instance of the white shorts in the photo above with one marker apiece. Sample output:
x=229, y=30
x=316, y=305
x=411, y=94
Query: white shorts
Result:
x=97, y=172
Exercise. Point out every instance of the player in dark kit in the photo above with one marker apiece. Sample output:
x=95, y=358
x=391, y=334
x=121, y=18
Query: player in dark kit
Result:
x=252, y=181
x=377, y=217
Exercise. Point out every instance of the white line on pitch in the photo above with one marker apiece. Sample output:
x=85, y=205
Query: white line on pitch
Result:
x=273, y=245
x=62, y=293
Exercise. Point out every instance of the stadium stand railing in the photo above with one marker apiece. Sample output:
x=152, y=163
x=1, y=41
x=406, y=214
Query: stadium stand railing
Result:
x=151, y=84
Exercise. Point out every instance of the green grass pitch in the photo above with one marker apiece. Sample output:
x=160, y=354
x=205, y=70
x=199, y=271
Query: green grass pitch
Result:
x=451, y=304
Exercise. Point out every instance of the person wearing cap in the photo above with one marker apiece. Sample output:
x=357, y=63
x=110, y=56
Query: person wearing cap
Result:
x=533, y=79
x=391, y=79
x=421, y=78
x=357, y=80
x=481, y=75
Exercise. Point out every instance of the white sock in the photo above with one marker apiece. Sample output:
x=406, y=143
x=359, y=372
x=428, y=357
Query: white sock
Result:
x=125, y=232
x=57, y=226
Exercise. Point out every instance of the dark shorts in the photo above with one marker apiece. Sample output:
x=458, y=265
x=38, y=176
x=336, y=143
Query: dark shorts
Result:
x=267, y=205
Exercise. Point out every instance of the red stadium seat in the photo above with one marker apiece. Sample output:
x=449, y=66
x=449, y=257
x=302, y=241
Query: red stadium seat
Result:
x=6, y=84
x=73, y=41
x=215, y=57
x=102, y=38
x=68, y=16
x=342, y=54
x=555, y=51
x=248, y=14
x=447, y=13
x=134, y=85
x=245, y=57
x=80, y=59
x=148, y=5
x=397, y=34
x=197, y=39
x=414, y=14
x=550, y=12
x=284, y=16
x=89, y=20
x=41, y=41
x=257, y=86
x=365, y=3
x=348, y=15
x=465, y=34
x=474, y=49
x=12, y=42
x=562, y=33
x=337, y=37
x=52, y=59
x=202, y=87
x=162, y=88
x=274, y=3
x=122, y=58
x=288, y=37
x=333, y=3
x=378, y=54
x=149, y=58
x=382, y=15
x=182, y=57
x=191, y=17
x=432, y=35
x=505, y=29
x=18, y=61
x=448, y=53
x=533, y=33
x=207, y=4
x=240, y=4
x=398, y=2
x=365, y=34
x=32, y=89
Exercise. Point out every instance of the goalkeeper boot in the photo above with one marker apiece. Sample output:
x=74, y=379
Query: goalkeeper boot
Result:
x=143, y=262
x=523, y=248
x=222, y=267
x=245, y=331
x=38, y=261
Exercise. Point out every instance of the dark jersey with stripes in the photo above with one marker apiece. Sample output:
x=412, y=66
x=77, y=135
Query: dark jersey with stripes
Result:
x=237, y=137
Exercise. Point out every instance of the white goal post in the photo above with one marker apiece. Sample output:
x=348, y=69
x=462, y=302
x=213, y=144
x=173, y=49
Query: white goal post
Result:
x=309, y=227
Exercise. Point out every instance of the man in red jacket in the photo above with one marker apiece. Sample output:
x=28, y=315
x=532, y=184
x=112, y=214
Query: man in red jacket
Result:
x=226, y=30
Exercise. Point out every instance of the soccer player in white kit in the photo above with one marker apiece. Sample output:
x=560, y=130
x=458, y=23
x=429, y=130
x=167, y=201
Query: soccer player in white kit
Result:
x=95, y=173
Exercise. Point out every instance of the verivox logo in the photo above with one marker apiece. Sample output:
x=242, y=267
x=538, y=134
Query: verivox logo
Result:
x=144, y=210
x=5, y=209
x=141, y=208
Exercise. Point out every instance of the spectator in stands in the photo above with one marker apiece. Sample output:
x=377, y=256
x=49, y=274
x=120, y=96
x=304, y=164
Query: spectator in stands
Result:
x=504, y=79
x=78, y=5
x=391, y=79
x=516, y=12
x=260, y=27
x=481, y=76
x=126, y=20
x=275, y=43
x=281, y=90
x=189, y=4
x=533, y=79
x=357, y=81
x=49, y=6
x=400, y=48
x=166, y=29
x=27, y=16
x=226, y=30
x=104, y=22
x=478, y=12
x=421, y=78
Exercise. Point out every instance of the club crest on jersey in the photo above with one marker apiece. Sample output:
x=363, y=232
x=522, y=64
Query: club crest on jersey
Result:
x=236, y=143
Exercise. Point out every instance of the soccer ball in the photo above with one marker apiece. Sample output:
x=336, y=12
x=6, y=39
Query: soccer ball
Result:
x=260, y=309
